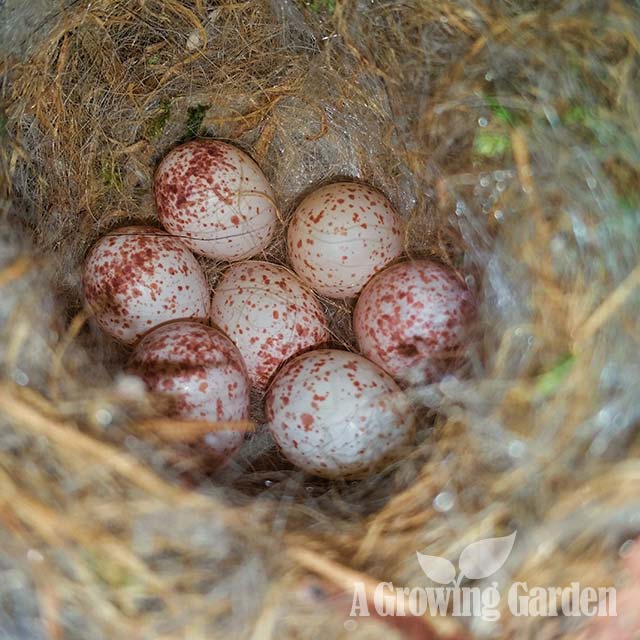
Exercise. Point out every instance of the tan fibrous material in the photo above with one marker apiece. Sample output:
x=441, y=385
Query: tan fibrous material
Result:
x=506, y=136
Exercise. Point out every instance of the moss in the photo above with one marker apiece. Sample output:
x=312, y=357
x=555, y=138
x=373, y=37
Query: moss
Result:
x=495, y=142
x=630, y=203
x=577, y=114
x=110, y=174
x=319, y=6
x=491, y=144
x=156, y=125
x=195, y=116
x=500, y=112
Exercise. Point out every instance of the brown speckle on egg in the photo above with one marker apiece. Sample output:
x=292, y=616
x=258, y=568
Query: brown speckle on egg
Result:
x=337, y=415
x=269, y=314
x=216, y=198
x=411, y=318
x=202, y=372
x=341, y=235
x=136, y=278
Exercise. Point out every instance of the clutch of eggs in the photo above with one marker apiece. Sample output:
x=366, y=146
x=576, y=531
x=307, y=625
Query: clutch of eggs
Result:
x=216, y=199
x=203, y=373
x=337, y=415
x=136, y=278
x=411, y=318
x=341, y=235
x=269, y=314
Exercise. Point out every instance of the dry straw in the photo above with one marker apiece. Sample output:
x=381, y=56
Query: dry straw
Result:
x=506, y=133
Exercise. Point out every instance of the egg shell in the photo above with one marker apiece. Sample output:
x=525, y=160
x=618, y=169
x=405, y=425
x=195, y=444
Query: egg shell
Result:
x=269, y=314
x=202, y=371
x=411, y=318
x=337, y=415
x=136, y=278
x=341, y=235
x=216, y=199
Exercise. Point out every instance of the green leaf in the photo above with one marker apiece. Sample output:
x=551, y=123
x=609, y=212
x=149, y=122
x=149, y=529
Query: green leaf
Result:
x=500, y=112
x=548, y=382
x=491, y=145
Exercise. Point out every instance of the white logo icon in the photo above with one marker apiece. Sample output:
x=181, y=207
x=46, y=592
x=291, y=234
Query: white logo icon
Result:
x=477, y=561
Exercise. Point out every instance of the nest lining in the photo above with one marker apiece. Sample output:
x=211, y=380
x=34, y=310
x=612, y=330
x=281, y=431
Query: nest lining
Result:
x=504, y=135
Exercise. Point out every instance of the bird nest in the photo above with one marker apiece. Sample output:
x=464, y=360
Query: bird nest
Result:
x=505, y=133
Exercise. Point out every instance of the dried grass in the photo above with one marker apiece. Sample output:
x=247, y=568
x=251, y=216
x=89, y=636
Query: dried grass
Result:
x=505, y=133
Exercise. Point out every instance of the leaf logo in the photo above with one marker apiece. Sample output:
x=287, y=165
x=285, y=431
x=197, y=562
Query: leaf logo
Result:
x=477, y=561
x=437, y=568
x=483, y=558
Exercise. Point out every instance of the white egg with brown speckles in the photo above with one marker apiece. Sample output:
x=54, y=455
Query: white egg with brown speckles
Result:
x=269, y=314
x=216, y=199
x=337, y=415
x=411, y=318
x=341, y=235
x=203, y=374
x=136, y=278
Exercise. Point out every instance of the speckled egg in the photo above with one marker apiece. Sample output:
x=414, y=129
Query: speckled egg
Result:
x=269, y=314
x=340, y=235
x=337, y=415
x=136, y=278
x=411, y=318
x=216, y=199
x=202, y=371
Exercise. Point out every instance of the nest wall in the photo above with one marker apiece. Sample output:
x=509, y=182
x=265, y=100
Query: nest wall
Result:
x=506, y=135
